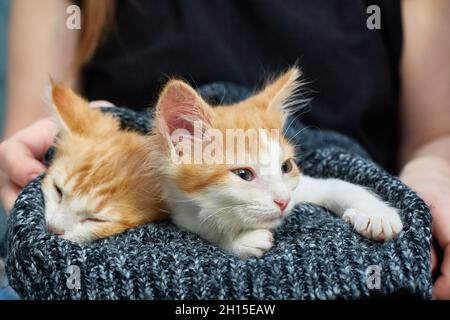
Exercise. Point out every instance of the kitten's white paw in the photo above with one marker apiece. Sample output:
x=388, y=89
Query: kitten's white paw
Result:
x=252, y=243
x=378, y=224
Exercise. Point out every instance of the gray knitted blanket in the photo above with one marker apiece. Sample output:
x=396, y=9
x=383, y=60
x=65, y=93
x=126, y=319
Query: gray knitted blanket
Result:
x=316, y=255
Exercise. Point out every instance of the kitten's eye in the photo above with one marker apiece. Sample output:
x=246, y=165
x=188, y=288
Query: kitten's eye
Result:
x=58, y=190
x=287, y=166
x=244, y=174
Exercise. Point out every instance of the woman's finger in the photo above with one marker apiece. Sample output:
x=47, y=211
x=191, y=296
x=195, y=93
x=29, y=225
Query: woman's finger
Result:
x=39, y=136
x=18, y=162
x=441, y=288
x=20, y=155
x=100, y=104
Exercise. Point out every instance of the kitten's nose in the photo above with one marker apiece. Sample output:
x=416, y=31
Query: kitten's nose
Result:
x=55, y=230
x=282, y=203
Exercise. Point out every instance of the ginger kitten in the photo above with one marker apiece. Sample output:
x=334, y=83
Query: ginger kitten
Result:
x=237, y=204
x=101, y=180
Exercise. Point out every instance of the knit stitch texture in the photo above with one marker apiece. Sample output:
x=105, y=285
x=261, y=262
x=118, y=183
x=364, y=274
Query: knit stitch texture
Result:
x=316, y=254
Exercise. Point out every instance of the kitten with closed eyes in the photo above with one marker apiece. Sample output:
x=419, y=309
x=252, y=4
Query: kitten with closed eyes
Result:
x=98, y=181
x=236, y=205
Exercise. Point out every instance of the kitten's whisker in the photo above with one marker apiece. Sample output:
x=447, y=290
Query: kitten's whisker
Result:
x=214, y=213
x=220, y=210
x=300, y=131
x=292, y=121
x=173, y=199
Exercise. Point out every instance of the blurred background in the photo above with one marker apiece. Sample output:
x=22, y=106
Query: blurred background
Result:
x=4, y=10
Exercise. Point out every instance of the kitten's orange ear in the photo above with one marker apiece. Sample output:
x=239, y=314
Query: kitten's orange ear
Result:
x=281, y=92
x=180, y=106
x=74, y=112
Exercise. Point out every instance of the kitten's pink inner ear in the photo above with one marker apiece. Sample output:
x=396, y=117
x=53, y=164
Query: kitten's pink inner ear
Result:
x=179, y=107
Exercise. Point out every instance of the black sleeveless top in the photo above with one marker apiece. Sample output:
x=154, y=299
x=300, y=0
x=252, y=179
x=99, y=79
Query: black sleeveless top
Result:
x=352, y=70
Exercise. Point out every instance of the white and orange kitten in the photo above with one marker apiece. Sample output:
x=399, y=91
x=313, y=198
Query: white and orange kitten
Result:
x=233, y=204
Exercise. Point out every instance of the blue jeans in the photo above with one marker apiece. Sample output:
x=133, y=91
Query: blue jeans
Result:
x=8, y=293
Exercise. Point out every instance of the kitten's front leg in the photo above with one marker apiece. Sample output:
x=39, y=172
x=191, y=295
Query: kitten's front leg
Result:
x=244, y=244
x=251, y=243
x=369, y=215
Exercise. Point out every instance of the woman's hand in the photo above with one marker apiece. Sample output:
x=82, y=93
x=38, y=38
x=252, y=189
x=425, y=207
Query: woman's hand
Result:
x=21, y=155
x=429, y=176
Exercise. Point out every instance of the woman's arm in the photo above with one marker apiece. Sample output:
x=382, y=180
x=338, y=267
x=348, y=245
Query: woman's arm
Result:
x=425, y=103
x=40, y=45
